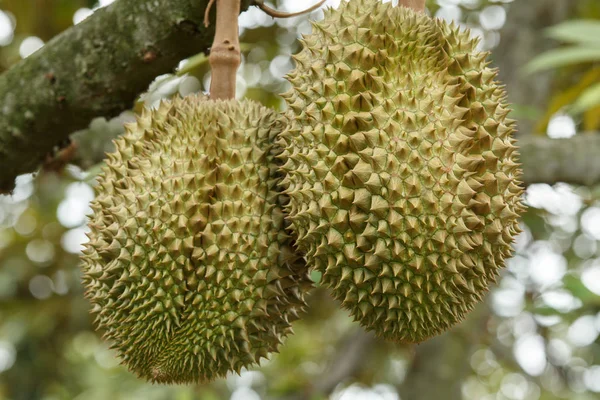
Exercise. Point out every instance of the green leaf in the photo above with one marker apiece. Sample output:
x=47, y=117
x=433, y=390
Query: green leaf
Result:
x=561, y=57
x=574, y=285
x=588, y=99
x=545, y=311
x=193, y=62
x=583, y=31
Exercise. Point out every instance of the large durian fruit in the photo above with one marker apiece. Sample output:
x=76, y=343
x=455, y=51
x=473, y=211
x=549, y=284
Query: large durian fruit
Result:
x=189, y=269
x=400, y=167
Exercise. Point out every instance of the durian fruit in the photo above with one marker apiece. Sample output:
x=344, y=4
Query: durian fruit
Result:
x=400, y=167
x=188, y=268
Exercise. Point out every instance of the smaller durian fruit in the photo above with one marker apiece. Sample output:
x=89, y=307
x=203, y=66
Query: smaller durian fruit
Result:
x=400, y=166
x=189, y=269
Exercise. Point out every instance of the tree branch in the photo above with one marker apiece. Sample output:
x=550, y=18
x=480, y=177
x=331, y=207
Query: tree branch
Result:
x=96, y=68
x=352, y=356
x=575, y=160
x=441, y=364
x=348, y=360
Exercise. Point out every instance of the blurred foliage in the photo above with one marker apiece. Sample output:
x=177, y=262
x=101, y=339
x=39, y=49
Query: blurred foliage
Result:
x=535, y=338
x=584, y=36
x=579, y=60
x=576, y=94
x=40, y=18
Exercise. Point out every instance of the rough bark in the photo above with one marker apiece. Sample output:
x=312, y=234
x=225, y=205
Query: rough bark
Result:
x=96, y=68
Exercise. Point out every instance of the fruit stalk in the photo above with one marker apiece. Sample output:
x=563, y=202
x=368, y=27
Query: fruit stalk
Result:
x=417, y=5
x=225, y=56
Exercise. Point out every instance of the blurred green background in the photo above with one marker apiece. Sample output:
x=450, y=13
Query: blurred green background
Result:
x=535, y=337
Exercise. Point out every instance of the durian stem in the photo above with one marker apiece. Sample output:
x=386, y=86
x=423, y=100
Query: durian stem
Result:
x=225, y=56
x=417, y=5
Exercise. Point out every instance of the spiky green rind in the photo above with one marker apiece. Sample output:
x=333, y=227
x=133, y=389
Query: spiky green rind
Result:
x=400, y=167
x=189, y=270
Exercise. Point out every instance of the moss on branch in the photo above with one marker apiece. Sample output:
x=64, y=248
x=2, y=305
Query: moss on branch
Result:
x=96, y=68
